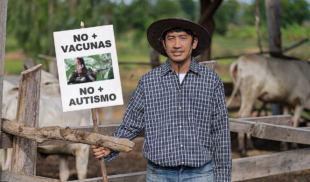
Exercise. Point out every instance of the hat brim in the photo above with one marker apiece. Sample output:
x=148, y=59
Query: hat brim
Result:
x=156, y=29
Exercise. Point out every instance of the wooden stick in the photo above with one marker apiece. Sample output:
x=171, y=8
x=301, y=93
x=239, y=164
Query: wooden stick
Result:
x=95, y=121
x=67, y=134
x=103, y=168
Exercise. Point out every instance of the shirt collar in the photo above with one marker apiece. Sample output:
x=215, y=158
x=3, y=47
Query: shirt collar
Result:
x=193, y=67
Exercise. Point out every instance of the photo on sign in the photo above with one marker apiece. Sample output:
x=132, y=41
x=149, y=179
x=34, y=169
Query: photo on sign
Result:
x=89, y=69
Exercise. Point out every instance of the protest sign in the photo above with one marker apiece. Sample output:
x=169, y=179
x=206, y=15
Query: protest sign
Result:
x=88, y=68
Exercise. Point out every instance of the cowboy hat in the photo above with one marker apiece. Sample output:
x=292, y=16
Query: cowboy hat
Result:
x=156, y=30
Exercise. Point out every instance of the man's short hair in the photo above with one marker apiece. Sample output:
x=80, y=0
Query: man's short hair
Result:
x=178, y=29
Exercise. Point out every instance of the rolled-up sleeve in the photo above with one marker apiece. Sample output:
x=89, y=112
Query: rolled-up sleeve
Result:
x=221, y=135
x=133, y=121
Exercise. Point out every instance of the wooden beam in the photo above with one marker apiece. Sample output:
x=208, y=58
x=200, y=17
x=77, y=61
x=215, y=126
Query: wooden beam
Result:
x=13, y=176
x=136, y=177
x=245, y=125
x=3, y=14
x=284, y=120
x=210, y=64
x=281, y=133
x=6, y=140
x=67, y=134
x=241, y=126
x=24, y=153
x=270, y=164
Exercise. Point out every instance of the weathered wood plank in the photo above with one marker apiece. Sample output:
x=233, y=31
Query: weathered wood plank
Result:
x=24, y=153
x=13, y=176
x=108, y=130
x=67, y=134
x=285, y=120
x=241, y=126
x=236, y=125
x=3, y=11
x=130, y=177
x=270, y=164
x=210, y=64
x=281, y=133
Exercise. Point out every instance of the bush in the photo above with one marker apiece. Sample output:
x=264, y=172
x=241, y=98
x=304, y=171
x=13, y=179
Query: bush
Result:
x=295, y=32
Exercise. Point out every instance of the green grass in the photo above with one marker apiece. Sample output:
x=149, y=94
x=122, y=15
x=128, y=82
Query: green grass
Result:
x=11, y=44
x=13, y=67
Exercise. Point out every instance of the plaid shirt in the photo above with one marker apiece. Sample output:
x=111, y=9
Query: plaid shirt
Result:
x=184, y=125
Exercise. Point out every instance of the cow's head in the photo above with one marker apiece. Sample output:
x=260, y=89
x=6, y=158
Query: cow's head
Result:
x=49, y=84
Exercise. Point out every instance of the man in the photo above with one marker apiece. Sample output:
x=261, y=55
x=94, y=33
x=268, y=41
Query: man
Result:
x=82, y=74
x=181, y=105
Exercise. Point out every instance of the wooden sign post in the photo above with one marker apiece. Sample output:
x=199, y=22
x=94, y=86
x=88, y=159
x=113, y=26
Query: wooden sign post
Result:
x=95, y=122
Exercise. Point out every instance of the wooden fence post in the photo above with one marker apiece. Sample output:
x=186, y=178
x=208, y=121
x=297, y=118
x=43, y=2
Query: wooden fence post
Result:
x=210, y=64
x=154, y=59
x=3, y=9
x=25, y=151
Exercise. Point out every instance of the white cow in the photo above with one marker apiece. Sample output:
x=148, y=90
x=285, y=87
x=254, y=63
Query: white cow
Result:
x=270, y=80
x=51, y=114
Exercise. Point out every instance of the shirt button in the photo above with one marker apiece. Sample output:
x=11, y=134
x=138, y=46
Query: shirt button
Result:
x=182, y=162
x=180, y=126
x=181, y=145
x=180, y=108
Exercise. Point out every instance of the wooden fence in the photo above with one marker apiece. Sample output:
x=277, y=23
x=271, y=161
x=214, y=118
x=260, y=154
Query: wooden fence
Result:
x=272, y=127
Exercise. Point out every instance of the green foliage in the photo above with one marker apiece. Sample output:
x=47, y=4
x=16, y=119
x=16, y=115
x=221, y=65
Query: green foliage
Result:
x=292, y=11
x=189, y=7
x=32, y=24
x=295, y=32
x=225, y=14
x=13, y=67
x=110, y=74
x=246, y=32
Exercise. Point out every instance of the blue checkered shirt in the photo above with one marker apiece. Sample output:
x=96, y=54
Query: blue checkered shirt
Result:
x=184, y=125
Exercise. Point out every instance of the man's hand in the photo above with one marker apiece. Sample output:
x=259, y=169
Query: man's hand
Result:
x=100, y=152
x=83, y=79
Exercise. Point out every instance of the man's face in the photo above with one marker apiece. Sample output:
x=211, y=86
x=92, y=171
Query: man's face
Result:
x=179, y=46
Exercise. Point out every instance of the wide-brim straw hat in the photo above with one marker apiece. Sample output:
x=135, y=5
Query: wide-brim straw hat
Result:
x=156, y=29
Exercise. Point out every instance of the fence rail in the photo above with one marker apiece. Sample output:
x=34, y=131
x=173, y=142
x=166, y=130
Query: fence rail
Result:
x=244, y=125
x=271, y=127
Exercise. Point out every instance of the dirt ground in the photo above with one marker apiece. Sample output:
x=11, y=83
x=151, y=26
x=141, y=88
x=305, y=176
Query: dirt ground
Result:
x=135, y=162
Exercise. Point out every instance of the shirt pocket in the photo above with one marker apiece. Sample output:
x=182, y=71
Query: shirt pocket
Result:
x=201, y=107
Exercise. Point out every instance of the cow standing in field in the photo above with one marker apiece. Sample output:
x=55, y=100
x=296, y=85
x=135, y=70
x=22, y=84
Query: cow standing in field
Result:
x=270, y=80
x=51, y=114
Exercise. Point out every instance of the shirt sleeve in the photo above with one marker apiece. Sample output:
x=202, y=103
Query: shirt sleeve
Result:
x=221, y=136
x=133, y=121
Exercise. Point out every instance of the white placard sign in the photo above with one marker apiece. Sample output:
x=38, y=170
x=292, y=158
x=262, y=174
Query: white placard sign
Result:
x=88, y=68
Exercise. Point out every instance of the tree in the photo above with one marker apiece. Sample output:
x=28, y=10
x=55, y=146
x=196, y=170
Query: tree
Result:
x=207, y=9
x=226, y=13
